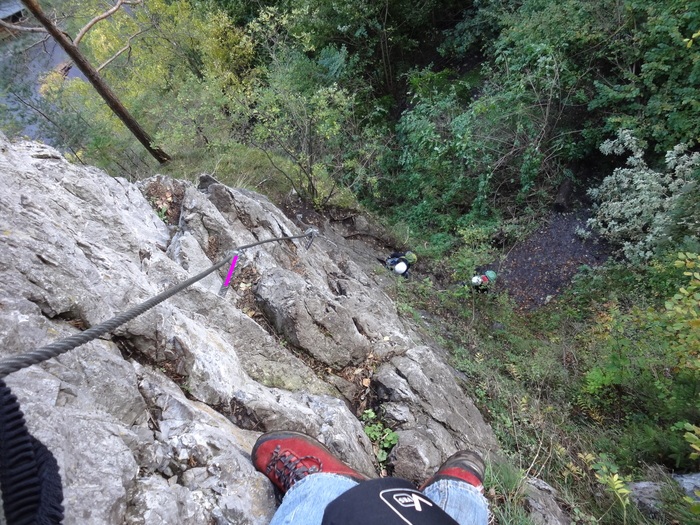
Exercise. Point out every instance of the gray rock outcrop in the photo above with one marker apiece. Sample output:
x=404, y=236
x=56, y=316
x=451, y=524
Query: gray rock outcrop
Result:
x=648, y=496
x=154, y=423
x=541, y=503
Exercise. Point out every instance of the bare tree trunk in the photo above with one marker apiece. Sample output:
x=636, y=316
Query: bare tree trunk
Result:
x=96, y=80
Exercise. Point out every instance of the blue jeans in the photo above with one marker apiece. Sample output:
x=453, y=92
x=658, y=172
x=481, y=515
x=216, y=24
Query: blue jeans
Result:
x=306, y=501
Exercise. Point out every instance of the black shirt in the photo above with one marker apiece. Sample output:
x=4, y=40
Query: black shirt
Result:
x=385, y=501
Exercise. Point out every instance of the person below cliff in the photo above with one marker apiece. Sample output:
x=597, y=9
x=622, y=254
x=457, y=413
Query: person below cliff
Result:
x=400, y=262
x=319, y=489
x=484, y=282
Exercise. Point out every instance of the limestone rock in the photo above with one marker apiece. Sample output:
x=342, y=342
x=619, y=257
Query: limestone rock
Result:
x=416, y=381
x=320, y=326
x=647, y=496
x=154, y=423
x=690, y=483
x=540, y=499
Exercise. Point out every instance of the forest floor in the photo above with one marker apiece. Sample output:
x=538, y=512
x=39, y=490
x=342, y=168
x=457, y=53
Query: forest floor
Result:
x=540, y=267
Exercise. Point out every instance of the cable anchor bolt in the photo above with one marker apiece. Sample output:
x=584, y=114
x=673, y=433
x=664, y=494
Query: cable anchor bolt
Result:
x=311, y=233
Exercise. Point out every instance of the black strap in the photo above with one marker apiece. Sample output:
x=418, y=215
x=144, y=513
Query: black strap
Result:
x=385, y=501
x=31, y=485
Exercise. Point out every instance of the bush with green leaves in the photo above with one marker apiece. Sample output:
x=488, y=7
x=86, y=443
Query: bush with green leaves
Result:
x=608, y=475
x=637, y=206
x=653, y=83
x=645, y=368
x=469, y=152
x=461, y=161
x=432, y=186
x=297, y=110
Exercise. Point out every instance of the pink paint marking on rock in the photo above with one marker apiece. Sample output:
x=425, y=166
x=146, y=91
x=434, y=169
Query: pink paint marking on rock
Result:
x=230, y=270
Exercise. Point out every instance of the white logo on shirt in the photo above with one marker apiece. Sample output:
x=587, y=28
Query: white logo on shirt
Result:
x=405, y=499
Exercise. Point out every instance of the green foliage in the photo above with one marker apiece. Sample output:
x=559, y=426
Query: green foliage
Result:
x=627, y=63
x=82, y=123
x=504, y=483
x=459, y=161
x=637, y=206
x=692, y=436
x=684, y=220
x=16, y=92
x=382, y=437
x=385, y=39
x=645, y=368
x=297, y=111
x=683, y=313
x=479, y=27
x=199, y=80
x=653, y=88
x=507, y=148
x=474, y=250
x=433, y=188
x=607, y=474
x=173, y=76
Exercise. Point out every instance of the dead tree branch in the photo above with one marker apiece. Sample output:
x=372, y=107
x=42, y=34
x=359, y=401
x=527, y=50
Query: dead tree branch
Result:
x=127, y=47
x=14, y=27
x=102, y=16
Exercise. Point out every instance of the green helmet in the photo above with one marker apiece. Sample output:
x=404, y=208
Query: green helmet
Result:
x=410, y=257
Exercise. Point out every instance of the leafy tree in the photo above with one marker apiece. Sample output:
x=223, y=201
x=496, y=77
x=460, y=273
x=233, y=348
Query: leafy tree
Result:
x=433, y=188
x=560, y=75
x=509, y=141
x=464, y=159
x=654, y=90
x=385, y=38
x=93, y=76
x=176, y=75
x=298, y=111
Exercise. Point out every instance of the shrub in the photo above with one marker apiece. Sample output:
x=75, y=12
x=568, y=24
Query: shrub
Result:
x=636, y=205
x=647, y=366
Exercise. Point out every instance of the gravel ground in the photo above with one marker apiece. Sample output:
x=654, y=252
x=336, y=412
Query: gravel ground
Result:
x=541, y=266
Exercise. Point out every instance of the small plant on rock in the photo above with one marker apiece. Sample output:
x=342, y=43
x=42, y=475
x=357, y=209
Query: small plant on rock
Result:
x=383, y=438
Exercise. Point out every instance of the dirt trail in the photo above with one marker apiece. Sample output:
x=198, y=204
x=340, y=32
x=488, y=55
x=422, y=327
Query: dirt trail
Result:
x=542, y=265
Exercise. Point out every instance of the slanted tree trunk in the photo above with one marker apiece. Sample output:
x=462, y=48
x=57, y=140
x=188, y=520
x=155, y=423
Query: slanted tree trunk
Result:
x=96, y=80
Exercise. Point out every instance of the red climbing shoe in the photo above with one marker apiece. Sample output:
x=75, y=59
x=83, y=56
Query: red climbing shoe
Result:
x=464, y=465
x=286, y=457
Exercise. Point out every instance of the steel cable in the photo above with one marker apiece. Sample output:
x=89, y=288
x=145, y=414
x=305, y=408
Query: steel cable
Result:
x=13, y=364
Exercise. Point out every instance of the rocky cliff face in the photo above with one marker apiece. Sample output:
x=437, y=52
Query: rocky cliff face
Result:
x=155, y=422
